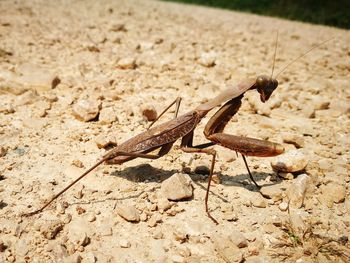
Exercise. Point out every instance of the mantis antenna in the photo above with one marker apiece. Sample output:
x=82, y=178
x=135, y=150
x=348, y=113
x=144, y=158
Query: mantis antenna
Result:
x=274, y=56
x=302, y=55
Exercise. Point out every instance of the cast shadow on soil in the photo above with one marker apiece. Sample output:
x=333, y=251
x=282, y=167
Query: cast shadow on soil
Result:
x=148, y=173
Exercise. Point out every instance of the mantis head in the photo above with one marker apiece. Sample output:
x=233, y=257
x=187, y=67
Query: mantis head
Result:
x=265, y=86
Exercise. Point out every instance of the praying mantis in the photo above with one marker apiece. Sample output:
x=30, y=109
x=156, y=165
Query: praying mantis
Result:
x=163, y=136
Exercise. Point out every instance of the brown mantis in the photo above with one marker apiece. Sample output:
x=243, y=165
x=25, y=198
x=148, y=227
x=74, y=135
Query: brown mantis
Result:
x=163, y=136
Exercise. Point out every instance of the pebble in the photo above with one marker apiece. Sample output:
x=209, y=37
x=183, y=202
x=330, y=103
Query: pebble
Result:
x=127, y=63
x=6, y=108
x=3, y=151
x=78, y=232
x=129, y=213
x=123, y=243
x=258, y=201
x=207, y=59
x=283, y=206
x=50, y=229
x=149, y=112
x=108, y=115
x=226, y=249
x=294, y=139
x=273, y=192
x=259, y=107
x=164, y=204
x=86, y=109
x=78, y=163
x=238, y=239
x=296, y=192
x=36, y=78
x=154, y=220
x=291, y=161
x=177, y=187
x=332, y=193
x=105, y=141
x=91, y=217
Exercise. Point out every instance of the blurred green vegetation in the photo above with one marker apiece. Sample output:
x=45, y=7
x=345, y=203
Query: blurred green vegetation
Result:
x=332, y=13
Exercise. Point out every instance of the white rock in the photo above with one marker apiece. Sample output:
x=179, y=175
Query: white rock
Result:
x=177, y=187
x=291, y=161
x=86, y=109
x=283, y=206
x=207, y=59
x=296, y=192
x=124, y=243
x=127, y=63
x=107, y=116
x=129, y=213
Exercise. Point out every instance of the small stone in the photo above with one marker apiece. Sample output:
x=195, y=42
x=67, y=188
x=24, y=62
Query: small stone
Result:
x=78, y=163
x=80, y=210
x=86, y=109
x=180, y=236
x=6, y=108
x=177, y=187
x=238, y=239
x=292, y=161
x=283, y=206
x=50, y=229
x=273, y=192
x=164, y=204
x=124, y=243
x=158, y=234
x=154, y=220
x=105, y=141
x=258, y=201
x=207, y=59
x=296, y=192
x=149, y=113
x=230, y=216
x=226, y=249
x=3, y=151
x=335, y=192
x=294, y=139
x=129, y=213
x=127, y=63
x=91, y=217
x=107, y=116
x=2, y=246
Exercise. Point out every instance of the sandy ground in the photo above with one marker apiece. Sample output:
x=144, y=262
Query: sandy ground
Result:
x=119, y=57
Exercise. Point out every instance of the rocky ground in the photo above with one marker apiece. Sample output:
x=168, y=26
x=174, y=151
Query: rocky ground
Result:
x=79, y=76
